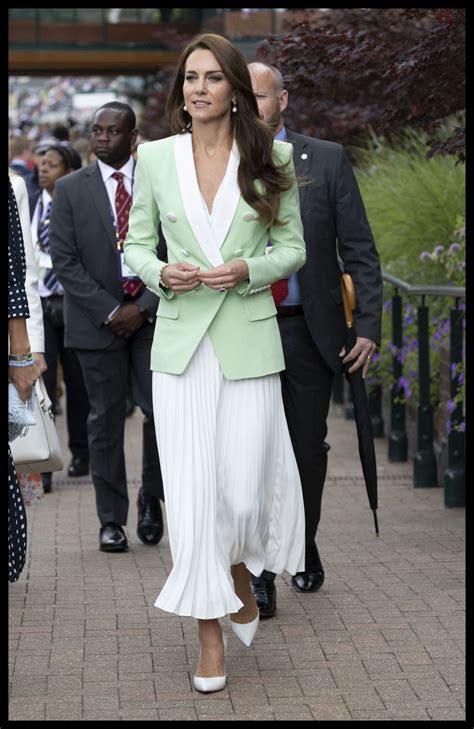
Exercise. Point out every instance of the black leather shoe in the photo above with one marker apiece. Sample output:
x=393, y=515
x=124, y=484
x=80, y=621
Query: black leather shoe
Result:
x=308, y=581
x=265, y=595
x=78, y=467
x=150, y=519
x=113, y=539
x=46, y=479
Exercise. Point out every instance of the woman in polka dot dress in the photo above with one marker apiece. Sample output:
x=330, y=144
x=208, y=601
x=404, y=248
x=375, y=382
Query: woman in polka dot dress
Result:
x=23, y=372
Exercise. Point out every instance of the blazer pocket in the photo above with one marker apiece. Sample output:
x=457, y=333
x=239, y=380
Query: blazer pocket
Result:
x=169, y=308
x=259, y=307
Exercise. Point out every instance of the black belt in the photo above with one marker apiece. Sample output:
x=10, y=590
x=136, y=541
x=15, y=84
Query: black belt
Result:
x=290, y=310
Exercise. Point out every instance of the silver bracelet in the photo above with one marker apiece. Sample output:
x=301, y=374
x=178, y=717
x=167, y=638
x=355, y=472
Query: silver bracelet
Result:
x=24, y=363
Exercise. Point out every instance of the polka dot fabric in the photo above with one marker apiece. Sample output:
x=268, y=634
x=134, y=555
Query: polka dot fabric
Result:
x=17, y=300
x=17, y=307
x=16, y=524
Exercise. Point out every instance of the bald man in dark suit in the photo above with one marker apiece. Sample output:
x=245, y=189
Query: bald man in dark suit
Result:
x=311, y=316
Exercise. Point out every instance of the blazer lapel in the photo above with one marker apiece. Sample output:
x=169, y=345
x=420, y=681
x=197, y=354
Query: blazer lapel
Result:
x=302, y=162
x=209, y=237
x=101, y=201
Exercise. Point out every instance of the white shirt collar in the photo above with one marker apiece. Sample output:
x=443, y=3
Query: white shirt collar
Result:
x=107, y=171
x=46, y=198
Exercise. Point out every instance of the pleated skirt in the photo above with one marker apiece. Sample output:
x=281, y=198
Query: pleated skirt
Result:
x=231, y=483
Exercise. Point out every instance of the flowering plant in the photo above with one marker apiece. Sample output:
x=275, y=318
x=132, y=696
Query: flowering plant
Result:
x=449, y=258
x=381, y=371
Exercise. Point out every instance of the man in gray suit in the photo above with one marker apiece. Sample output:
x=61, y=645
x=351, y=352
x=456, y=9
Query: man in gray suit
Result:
x=109, y=321
x=311, y=316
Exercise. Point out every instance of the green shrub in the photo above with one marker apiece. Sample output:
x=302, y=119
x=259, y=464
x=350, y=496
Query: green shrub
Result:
x=413, y=202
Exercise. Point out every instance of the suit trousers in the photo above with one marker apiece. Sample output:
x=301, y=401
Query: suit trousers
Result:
x=306, y=387
x=77, y=403
x=108, y=374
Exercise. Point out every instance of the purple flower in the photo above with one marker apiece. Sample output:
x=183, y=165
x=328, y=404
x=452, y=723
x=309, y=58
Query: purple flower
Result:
x=453, y=370
x=451, y=406
x=454, y=248
x=408, y=308
x=403, y=382
x=438, y=251
x=425, y=256
x=448, y=426
x=460, y=379
x=387, y=304
x=409, y=320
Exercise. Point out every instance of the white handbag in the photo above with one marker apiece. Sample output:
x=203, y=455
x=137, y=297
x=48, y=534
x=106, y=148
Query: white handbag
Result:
x=39, y=451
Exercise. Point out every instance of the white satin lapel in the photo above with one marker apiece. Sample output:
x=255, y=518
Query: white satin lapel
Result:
x=192, y=200
x=227, y=199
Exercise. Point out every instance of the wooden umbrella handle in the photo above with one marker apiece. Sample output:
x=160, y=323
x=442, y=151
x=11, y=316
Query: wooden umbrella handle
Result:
x=348, y=297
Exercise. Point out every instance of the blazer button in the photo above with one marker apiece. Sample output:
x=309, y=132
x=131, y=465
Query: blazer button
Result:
x=247, y=217
x=238, y=252
x=304, y=156
x=184, y=251
x=171, y=217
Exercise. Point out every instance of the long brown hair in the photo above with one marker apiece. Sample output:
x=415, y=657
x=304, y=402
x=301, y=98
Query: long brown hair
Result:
x=253, y=136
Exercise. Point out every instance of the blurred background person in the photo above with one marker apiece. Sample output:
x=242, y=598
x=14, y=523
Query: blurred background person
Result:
x=58, y=160
x=23, y=373
x=21, y=160
x=30, y=483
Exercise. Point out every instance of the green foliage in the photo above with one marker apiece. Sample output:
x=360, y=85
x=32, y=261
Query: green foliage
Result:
x=413, y=202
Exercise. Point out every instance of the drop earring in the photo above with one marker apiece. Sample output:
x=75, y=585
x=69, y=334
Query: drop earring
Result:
x=234, y=108
x=185, y=108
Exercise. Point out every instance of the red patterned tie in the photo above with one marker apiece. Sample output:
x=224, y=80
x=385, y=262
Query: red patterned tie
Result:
x=123, y=203
x=280, y=290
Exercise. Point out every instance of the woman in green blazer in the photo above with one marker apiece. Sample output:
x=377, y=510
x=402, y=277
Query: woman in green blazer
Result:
x=221, y=189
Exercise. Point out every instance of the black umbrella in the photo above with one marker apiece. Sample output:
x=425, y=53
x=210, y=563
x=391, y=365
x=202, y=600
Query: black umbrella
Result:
x=360, y=401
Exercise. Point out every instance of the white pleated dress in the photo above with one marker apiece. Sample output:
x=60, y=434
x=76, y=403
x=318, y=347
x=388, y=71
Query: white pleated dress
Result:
x=231, y=483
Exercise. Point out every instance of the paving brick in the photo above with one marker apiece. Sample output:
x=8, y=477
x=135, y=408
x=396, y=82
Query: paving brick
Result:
x=447, y=714
x=64, y=710
x=383, y=640
x=178, y=714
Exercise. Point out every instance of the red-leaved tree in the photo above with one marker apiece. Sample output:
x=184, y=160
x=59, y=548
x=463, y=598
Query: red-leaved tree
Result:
x=389, y=68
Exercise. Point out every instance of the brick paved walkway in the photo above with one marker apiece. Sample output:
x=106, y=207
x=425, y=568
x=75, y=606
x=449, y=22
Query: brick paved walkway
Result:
x=382, y=639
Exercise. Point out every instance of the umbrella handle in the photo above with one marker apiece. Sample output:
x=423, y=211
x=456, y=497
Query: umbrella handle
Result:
x=348, y=298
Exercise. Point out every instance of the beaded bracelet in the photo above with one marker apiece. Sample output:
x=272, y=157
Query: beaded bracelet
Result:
x=25, y=363
x=160, y=280
x=20, y=357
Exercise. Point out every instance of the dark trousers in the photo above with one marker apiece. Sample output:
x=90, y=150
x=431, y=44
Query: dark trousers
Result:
x=108, y=375
x=77, y=403
x=306, y=388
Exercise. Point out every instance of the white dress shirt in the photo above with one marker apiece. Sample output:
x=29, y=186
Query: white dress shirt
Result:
x=111, y=186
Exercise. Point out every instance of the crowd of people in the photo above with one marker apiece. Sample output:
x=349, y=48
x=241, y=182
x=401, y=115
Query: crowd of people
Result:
x=202, y=272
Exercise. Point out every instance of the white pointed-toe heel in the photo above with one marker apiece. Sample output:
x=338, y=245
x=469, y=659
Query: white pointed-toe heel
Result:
x=207, y=685
x=246, y=631
x=211, y=683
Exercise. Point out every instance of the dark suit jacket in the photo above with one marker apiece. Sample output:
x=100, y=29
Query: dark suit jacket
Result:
x=335, y=222
x=83, y=249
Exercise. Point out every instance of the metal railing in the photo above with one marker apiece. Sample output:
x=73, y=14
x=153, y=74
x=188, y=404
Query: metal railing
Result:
x=424, y=462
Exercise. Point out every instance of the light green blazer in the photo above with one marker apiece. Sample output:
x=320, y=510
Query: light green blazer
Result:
x=241, y=322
